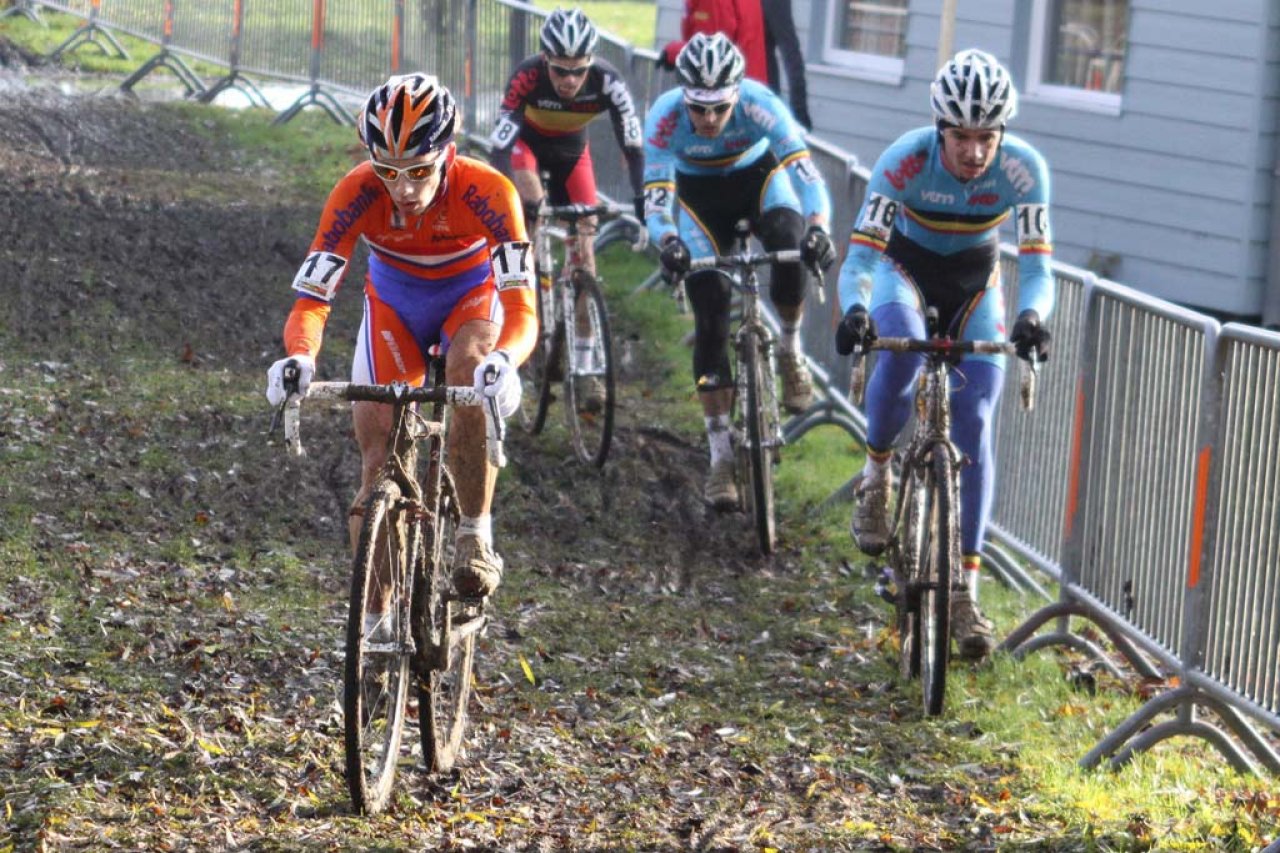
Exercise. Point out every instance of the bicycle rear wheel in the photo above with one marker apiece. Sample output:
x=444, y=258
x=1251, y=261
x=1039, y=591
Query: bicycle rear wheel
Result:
x=376, y=673
x=444, y=688
x=753, y=374
x=590, y=418
x=940, y=557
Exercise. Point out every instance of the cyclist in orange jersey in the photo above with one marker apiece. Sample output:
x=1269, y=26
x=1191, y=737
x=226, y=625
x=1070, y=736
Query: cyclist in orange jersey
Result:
x=449, y=263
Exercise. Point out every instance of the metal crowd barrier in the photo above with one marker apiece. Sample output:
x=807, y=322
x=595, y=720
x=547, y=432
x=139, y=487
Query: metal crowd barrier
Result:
x=1146, y=482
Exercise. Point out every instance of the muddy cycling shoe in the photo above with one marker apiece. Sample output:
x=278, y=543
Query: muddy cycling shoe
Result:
x=797, y=382
x=722, y=489
x=974, y=633
x=870, y=524
x=590, y=391
x=477, y=570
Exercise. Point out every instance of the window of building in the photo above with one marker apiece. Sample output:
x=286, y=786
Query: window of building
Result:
x=866, y=37
x=1078, y=50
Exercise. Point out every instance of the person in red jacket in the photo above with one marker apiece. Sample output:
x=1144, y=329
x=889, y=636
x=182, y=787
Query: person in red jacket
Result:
x=741, y=20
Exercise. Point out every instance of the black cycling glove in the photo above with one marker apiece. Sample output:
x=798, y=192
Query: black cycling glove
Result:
x=856, y=329
x=816, y=248
x=1029, y=336
x=675, y=258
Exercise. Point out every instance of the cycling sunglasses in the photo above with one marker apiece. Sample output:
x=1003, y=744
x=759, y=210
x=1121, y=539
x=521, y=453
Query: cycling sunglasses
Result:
x=417, y=174
x=566, y=71
x=704, y=109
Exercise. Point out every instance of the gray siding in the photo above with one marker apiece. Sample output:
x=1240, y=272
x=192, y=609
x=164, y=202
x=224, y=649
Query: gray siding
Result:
x=1178, y=187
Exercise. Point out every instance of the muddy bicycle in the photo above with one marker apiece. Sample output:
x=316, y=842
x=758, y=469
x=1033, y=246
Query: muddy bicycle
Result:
x=756, y=423
x=405, y=624
x=575, y=347
x=923, y=553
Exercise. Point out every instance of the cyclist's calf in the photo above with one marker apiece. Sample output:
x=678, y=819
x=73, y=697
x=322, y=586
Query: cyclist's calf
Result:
x=709, y=293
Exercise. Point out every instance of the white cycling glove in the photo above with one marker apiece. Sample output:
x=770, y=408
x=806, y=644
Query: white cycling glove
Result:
x=275, y=377
x=503, y=384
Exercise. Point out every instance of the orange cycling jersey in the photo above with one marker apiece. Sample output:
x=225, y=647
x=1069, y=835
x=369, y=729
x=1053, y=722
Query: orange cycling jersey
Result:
x=473, y=235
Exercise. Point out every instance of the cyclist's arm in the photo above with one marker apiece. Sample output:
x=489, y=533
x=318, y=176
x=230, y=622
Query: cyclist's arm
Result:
x=506, y=130
x=1036, y=285
x=870, y=235
x=626, y=123
x=786, y=140
x=512, y=259
x=322, y=271
x=660, y=166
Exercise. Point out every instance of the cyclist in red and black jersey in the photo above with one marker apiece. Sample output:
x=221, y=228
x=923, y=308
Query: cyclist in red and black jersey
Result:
x=542, y=125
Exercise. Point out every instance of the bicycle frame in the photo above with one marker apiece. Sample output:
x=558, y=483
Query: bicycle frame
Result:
x=757, y=427
x=400, y=560
x=924, y=547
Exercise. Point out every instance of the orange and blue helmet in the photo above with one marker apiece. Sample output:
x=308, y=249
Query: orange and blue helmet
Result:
x=409, y=115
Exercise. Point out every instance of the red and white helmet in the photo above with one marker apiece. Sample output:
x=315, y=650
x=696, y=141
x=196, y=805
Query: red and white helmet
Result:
x=409, y=115
x=973, y=90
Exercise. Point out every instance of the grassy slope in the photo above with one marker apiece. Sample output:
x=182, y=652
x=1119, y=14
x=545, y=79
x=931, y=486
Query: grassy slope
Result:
x=785, y=661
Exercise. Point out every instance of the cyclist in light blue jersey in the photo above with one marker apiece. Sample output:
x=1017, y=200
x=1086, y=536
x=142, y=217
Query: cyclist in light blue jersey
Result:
x=927, y=237
x=717, y=150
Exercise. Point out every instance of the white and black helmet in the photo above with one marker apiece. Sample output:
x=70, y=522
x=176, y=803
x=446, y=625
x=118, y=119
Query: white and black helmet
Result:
x=973, y=90
x=568, y=34
x=709, y=64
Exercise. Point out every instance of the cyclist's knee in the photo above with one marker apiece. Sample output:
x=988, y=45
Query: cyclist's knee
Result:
x=781, y=228
x=530, y=212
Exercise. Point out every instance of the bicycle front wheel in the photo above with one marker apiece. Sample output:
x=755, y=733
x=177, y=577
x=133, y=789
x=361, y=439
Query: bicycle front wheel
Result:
x=538, y=372
x=755, y=377
x=444, y=688
x=378, y=650
x=589, y=386
x=940, y=555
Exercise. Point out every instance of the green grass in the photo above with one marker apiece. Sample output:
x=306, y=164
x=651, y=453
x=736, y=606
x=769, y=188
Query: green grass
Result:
x=633, y=21
x=772, y=659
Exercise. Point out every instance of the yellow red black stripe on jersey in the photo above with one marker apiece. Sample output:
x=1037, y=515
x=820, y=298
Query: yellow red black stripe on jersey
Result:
x=956, y=223
x=718, y=161
x=557, y=122
x=857, y=238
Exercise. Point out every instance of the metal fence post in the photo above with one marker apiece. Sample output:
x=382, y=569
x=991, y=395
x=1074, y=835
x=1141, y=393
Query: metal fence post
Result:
x=235, y=78
x=315, y=95
x=88, y=34
x=24, y=7
x=167, y=59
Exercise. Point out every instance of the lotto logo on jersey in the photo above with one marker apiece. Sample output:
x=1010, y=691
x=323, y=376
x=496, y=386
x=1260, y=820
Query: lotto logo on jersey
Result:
x=666, y=128
x=521, y=85
x=908, y=167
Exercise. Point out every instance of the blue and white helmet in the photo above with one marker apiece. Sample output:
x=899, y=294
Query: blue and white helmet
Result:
x=973, y=90
x=709, y=66
x=568, y=34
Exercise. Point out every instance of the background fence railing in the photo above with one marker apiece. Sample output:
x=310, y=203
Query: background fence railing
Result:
x=1147, y=482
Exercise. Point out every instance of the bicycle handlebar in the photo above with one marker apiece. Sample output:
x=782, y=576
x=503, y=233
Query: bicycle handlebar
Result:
x=401, y=394
x=744, y=260
x=747, y=260
x=945, y=347
x=574, y=212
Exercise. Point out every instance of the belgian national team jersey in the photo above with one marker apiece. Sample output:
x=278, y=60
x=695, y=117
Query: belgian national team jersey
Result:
x=911, y=195
x=533, y=112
